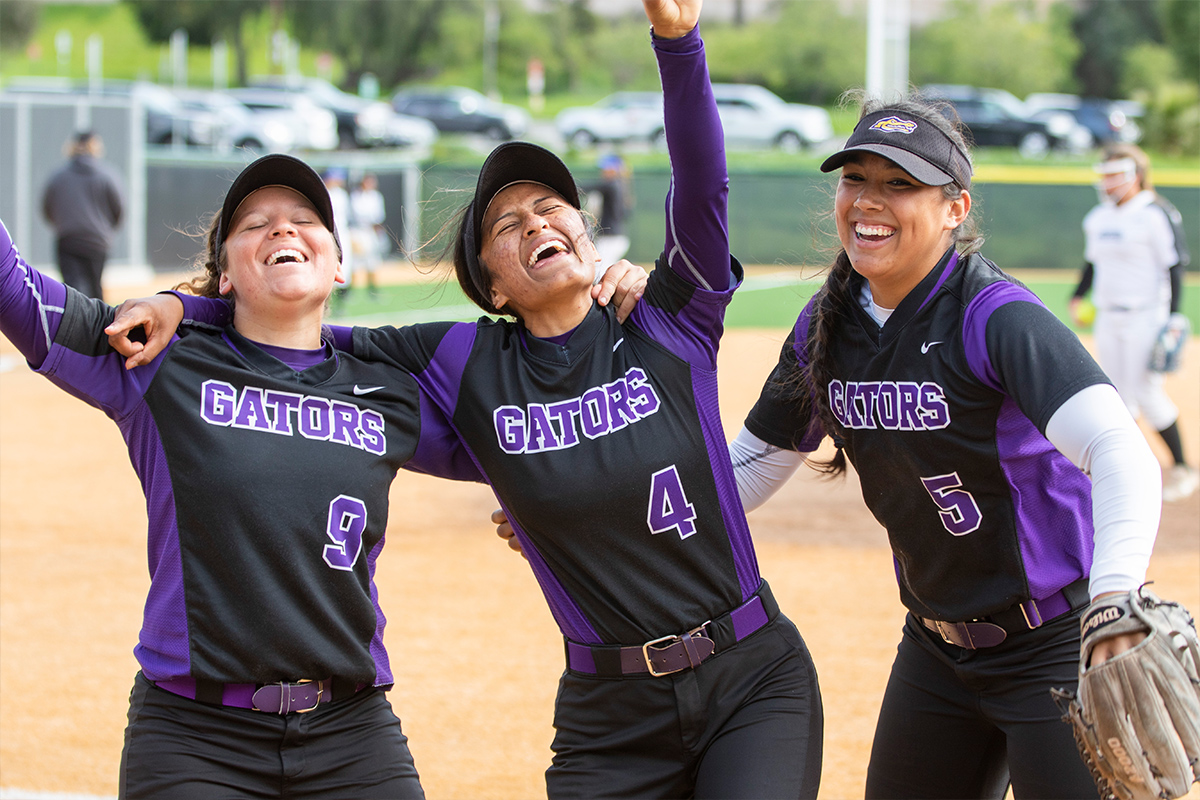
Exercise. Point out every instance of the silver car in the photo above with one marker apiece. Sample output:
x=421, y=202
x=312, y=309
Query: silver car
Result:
x=314, y=127
x=753, y=115
x=242, y=128
x=620, y=117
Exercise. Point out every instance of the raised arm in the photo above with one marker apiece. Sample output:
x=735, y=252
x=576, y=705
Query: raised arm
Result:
x=31, y=304
x=697, y=227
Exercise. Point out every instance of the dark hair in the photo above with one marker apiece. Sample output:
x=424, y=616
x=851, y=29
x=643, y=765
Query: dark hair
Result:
x=836, y=296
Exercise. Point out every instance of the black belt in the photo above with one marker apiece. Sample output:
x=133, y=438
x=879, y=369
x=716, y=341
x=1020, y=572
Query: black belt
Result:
x=992, y=630
x=679, y=651
x=273, y=698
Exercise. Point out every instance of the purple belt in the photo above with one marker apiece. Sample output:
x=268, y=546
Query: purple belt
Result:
x=670, y=654
x=273, y=698
x=992, y=630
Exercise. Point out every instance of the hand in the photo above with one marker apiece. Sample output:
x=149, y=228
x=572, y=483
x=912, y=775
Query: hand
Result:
x=159, y=316
x=671, y=19
x=505, y=531
x=1109, y=648
x=623, y=283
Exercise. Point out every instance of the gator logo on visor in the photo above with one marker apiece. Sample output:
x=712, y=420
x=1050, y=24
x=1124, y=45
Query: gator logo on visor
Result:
x=894, y=125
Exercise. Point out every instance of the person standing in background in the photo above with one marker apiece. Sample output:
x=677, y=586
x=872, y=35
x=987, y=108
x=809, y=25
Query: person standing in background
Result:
x=368, y=237
x=83, y=202
x=1136, y=256
x=335, y=181
x=613, y=190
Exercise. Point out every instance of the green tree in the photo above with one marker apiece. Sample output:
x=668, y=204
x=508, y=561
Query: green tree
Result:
x=1014, y=46
x=204, y=21
x=397, y=41
x=804, y=51
x=18, y=20
x=1106, y=30
x=1181, y=29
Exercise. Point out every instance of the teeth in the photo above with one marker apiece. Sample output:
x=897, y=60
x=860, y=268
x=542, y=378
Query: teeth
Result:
x=290, y=255
x=873, y=230
x=553, y=244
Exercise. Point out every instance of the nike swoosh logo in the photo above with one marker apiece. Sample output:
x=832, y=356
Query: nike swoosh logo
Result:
x=361, y=390
x=926, y=345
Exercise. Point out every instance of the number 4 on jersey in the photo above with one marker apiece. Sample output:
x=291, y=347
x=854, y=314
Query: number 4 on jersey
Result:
x=669, y=506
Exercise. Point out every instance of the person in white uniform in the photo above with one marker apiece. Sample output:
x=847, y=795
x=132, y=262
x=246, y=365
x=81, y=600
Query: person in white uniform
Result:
x=1135, y=259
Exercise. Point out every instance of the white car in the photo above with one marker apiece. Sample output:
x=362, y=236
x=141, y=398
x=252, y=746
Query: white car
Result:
x=753, y=115
x=315, y=127
x=241, y=126
x=620, y=117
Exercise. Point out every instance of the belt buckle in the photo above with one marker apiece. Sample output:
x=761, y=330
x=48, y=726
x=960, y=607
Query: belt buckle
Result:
x=285, y=696
x=673, y=638
x=942, y=631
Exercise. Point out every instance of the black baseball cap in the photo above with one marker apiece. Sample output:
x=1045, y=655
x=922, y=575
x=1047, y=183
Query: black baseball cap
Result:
x=919, y=146
x=277, y=169
x=515, y=162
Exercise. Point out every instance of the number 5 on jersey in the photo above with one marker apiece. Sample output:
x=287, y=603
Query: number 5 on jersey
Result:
x=669, y=506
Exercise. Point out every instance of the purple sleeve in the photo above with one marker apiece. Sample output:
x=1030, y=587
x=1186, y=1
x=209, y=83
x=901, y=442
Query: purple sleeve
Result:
x=204, y=311
x=31, y=304
x=697, y=241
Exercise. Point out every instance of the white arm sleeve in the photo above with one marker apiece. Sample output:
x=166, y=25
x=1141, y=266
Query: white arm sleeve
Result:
x=1094, y=429
x=760, y=468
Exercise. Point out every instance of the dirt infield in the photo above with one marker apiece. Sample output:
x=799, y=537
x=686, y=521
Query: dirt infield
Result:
x=474, y=650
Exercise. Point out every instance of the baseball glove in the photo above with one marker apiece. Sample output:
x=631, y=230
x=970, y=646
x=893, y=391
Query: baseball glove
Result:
x=1167, y=354
x=1137, y=715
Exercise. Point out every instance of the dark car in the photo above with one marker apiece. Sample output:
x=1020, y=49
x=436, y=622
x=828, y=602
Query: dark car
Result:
x=457, y=109
x=1104, y=120
x=996, y=118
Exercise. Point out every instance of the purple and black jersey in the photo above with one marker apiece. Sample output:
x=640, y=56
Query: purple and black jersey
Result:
x=266, y=488
x=607, y=451
x=943, y=413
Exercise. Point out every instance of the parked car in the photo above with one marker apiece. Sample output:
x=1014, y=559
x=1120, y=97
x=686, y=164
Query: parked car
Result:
x=361, y=123
x=167, y=120
x=457, y=109
x=753, y=115
x=1104, y=120
x=314, y=126
x=620, y=117
x=241, y=128
x=994, y=117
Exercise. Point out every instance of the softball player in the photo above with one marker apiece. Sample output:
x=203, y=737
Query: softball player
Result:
x=973, y=418
x=603, y=443
x=1137, y=256
x=266, y=460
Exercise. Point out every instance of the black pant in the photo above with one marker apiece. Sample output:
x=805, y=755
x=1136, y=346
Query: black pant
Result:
x=183, y=749
x=959, y=723
x=746, y=723
x=81, y=266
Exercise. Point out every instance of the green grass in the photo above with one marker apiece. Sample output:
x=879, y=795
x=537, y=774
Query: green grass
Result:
x=771, y=301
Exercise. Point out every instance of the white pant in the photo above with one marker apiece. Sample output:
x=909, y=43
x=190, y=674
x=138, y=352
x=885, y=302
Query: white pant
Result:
x=1124, y=340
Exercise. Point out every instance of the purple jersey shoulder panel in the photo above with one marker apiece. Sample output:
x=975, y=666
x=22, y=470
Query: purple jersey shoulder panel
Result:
x=1053, y=503
x=975, y=321
x=687, y=320
x=31, y=304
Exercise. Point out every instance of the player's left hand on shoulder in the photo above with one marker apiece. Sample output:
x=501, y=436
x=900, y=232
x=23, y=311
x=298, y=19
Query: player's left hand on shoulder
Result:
x=157, y=316
x=623, y=284
x=1137, y=711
